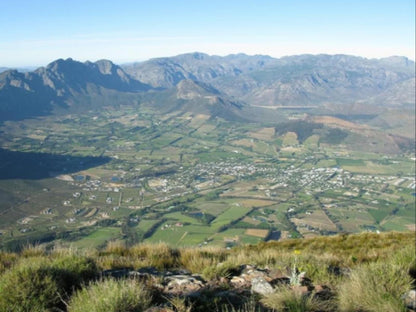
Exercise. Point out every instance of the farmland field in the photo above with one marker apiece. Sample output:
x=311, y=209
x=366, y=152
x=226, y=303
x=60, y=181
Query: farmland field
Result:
x=191, y=180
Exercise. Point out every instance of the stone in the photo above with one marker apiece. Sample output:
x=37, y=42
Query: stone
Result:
x=148, y=270
x=159, y=309
x=238, y=281
x=410, y=299
x=116, y=273
x=260, y=286
x=183, y=284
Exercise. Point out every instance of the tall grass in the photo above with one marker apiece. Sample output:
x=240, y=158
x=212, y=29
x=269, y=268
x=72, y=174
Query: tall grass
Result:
x=7, y=259
x=366, y=272
x=117, y=255
x=288, y=300
x=111, y=296
x=378, y=286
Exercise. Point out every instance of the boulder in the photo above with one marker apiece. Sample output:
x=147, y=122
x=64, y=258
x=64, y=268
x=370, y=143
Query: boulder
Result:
x=116, y=273
x=183, y=284
x=410, y=299
x=260, y=286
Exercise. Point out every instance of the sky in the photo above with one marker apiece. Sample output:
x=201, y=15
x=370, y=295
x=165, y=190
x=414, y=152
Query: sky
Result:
x=37, y=32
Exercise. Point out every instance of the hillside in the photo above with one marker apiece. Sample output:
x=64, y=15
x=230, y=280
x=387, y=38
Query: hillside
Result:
x=305, y=80
x=365, y=272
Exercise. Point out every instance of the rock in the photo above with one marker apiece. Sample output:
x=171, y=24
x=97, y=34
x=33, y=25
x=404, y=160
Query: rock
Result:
x=148, y=270
x=260, y=286
x=410, y=299
x=181, y=272
x=116, y=273
x=238, y=282
x=183, y=284
x=159, y=309
x=280, y=281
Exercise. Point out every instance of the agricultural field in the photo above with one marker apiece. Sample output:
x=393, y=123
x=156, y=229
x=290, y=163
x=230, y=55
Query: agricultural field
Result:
x=192, y=180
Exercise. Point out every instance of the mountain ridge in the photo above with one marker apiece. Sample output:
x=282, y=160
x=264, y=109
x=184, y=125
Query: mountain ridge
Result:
x=323, y=81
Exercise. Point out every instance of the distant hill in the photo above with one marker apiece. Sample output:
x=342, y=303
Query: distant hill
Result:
x=222, y=86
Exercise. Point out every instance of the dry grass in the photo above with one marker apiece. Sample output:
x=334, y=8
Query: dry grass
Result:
x=348, y=249
x=378, y=267
x=117, y=255
x=196, y=259
x=375, y=287
x=286, y=299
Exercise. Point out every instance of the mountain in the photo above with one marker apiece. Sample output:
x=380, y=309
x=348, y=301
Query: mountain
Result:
x=221, y=86
x=167, y=72
x=195, y=97
x=304, y=80
x=61, y=83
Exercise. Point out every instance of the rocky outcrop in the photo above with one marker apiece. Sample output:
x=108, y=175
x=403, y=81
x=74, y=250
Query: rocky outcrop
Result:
x=247, y=279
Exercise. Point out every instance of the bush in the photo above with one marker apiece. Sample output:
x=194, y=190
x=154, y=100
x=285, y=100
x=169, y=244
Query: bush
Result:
x=216, y=271
x=111, y=295
x=72, y=271
x=39, y=283
x=7, y=259
x=29, y=286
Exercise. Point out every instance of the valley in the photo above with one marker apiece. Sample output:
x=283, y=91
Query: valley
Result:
x=188, y=179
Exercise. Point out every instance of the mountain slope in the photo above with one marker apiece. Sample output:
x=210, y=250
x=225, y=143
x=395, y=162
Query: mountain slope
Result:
x=39, y=92
x=294, y=80
x=202, y=83
x=169, y=71
x=194, y=97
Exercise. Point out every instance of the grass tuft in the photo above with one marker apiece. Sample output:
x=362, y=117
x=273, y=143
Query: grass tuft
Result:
x=111, y=296
x=289, y=300
x=378, y=286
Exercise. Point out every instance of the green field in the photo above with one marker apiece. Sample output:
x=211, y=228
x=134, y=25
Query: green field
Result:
x=141, y=170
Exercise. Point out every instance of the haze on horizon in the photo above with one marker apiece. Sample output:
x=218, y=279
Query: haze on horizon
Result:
x=38, y=32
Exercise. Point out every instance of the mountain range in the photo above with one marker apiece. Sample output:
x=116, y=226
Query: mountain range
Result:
x=234, y=86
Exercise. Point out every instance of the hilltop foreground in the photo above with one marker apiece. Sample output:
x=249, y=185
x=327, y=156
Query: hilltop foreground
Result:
x=362, y=272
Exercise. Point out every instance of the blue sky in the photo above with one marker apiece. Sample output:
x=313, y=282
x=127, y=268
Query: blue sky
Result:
x=36, y=32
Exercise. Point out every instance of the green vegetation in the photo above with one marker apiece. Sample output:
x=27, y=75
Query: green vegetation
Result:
x=111, y=295
x=38, y=283
x=189, y=179
x=381, y=269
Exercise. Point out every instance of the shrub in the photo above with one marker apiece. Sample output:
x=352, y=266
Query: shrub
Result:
x=111, y=295
x=29, y=286
x=219, y=270
x=7, y=259
x=39, y=283
x=72, y=271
